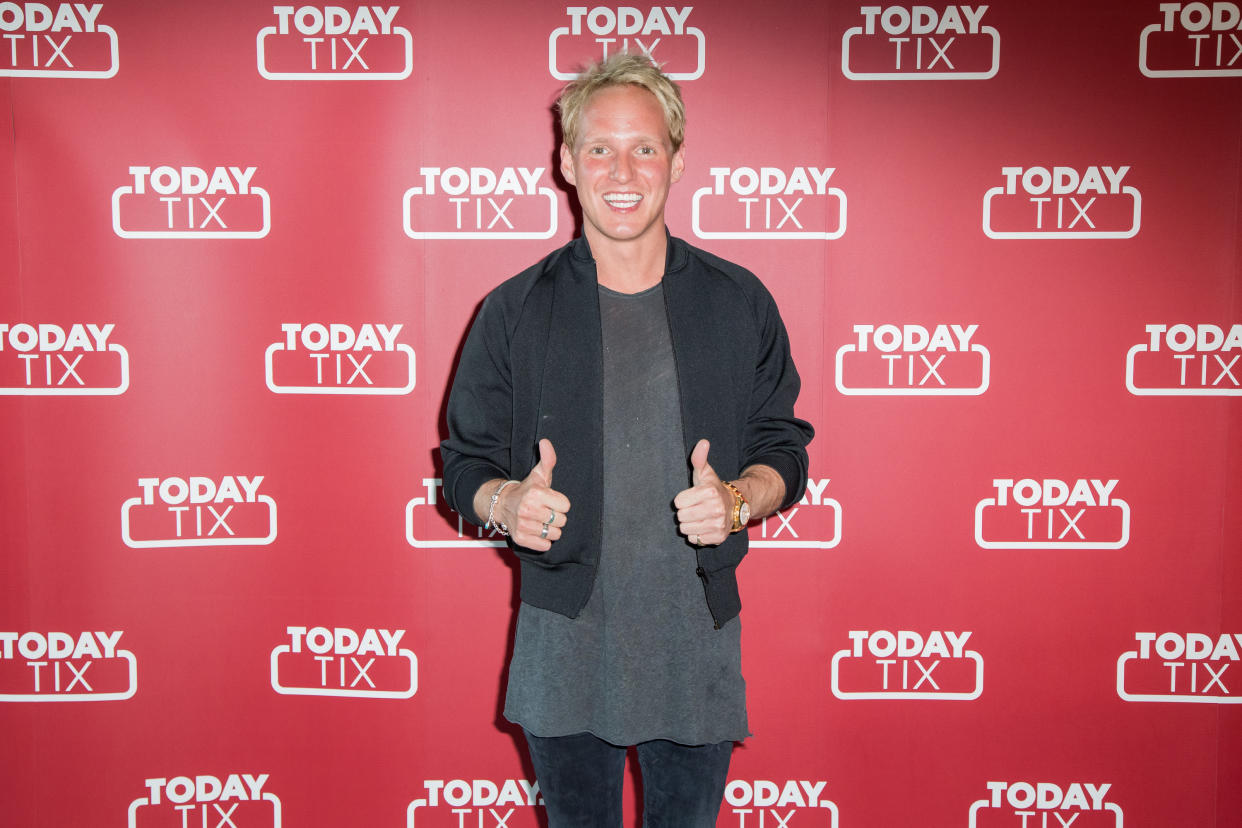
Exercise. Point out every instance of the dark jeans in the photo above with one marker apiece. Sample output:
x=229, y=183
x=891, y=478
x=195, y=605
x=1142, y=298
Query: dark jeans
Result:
x=580, y=778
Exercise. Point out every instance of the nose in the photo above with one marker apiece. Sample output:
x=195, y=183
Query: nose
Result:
x=622, y=168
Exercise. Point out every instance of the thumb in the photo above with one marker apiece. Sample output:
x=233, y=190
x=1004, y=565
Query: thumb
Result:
x=702, y=471
x=547, y=459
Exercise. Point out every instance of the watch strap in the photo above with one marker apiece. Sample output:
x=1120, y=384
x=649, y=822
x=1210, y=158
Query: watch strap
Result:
x=738, y=502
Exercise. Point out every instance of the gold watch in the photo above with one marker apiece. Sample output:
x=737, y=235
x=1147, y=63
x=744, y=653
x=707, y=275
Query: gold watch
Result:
x=741, y=509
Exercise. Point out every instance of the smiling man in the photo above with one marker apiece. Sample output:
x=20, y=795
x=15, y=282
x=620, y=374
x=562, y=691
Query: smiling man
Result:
x=653, y=381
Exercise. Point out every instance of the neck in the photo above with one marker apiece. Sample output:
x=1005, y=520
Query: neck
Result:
x=629, y=266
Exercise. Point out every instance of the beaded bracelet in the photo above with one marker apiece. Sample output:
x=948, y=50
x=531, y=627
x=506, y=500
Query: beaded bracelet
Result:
x=491, y=510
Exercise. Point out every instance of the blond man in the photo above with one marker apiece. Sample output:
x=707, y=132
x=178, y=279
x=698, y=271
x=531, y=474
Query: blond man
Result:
x=621, y=410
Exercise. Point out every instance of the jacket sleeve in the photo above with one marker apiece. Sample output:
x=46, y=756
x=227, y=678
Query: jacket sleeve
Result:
x=479, y=412
x=773, y=436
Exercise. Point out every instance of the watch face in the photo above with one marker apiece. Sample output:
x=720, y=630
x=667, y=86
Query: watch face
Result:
x=743, y=514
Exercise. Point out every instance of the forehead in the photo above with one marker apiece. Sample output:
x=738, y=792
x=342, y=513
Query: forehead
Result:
x=623, y=111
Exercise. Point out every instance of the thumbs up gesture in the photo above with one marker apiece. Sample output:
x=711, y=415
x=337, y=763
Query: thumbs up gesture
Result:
x=705, y=510
x=534, y=512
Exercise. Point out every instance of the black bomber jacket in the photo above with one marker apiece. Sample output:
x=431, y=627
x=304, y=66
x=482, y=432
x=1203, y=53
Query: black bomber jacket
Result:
x=531, y=368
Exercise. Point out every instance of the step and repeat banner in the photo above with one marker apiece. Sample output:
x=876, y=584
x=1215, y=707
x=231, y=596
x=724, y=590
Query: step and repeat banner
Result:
x=241, y=246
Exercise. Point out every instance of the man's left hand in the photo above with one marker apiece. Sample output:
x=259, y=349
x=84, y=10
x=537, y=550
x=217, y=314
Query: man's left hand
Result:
x=705, y=510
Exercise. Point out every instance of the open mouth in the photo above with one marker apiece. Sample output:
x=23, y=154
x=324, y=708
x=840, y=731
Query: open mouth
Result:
x=622, y=200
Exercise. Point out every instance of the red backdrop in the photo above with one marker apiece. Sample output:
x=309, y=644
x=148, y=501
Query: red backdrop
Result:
x=242, y=244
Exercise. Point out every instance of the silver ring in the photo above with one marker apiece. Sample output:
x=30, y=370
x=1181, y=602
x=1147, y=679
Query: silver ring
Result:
x=551, y=517
x=544, y=532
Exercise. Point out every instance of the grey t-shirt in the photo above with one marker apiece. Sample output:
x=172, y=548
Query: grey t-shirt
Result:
x=643, y=660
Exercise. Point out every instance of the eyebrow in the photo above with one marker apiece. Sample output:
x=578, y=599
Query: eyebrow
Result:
x=606, y=138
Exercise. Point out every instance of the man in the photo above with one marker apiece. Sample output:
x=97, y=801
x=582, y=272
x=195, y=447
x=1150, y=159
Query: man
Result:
x=642, y=375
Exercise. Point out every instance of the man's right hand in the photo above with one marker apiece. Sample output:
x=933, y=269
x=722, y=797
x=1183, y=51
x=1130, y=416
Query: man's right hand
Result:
x=533, y=511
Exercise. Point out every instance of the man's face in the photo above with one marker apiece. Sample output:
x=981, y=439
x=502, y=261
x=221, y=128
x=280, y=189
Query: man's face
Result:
x=623, y=165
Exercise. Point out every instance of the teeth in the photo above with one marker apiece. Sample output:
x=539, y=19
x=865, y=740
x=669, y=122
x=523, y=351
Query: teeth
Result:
x=625, y=200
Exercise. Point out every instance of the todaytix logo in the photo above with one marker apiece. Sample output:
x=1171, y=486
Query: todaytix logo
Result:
x=764, y=803
x=769, y=203
x=60, y=666
x=480, y=203
x=1192, y=40
x=237, y=799
x=1186, y=360
x=165, y=202
x=662, y=33
x=1062, y=203
x=335, y=43
x=906, y=664
x=475, y=803
x=1052, y=514
x=44, y=359
x=441, y=527
x=1046, y=805
x=198, y=511
x=319, y=661
x=60, y=40
x=338, y=359
x=1181, y=667
x=913, y=360
x=814, y=523
x=921, y=43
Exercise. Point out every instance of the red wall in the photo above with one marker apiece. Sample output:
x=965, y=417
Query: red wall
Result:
x=1023, y=267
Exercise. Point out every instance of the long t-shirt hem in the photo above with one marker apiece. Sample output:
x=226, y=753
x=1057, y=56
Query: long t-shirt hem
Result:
x=620, y=739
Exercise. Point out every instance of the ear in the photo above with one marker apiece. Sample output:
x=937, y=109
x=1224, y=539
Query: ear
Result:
x=567, y=165
x=679, y=164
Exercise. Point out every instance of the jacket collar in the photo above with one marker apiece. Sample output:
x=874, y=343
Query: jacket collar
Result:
x=675, y=258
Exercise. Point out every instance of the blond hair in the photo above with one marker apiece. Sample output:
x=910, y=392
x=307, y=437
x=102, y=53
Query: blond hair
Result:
x=621, y=69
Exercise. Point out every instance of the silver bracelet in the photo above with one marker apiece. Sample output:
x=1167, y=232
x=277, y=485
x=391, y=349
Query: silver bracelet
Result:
x=491, y=510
